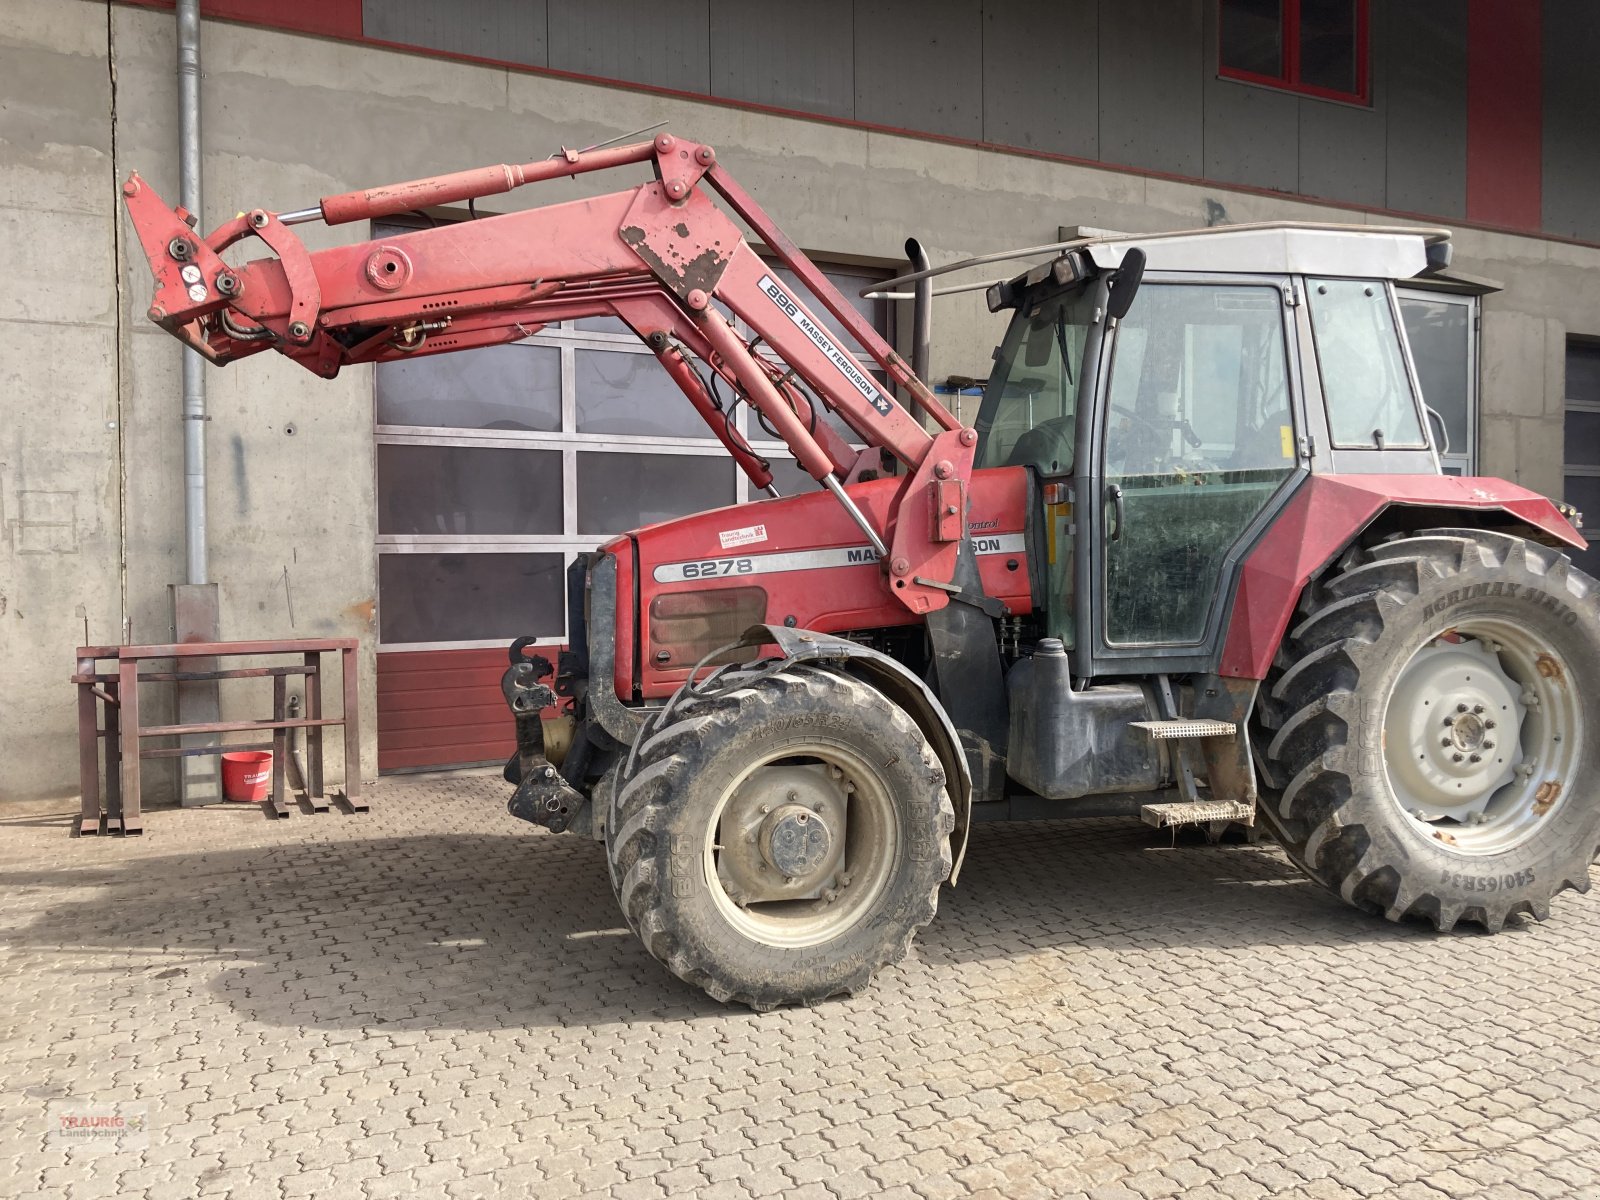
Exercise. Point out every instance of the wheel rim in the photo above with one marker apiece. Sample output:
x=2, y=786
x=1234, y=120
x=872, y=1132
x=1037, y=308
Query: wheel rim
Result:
x=1481, y=735
x=803, y=843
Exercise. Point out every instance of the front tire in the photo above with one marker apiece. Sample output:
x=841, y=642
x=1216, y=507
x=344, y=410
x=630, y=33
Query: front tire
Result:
x=1427, y=746
x=780, y=836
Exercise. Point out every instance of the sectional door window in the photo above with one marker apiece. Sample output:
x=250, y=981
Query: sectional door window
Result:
x=496, y=467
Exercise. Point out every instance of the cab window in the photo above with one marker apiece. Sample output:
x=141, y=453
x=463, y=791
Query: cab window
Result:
x=1029, y=410
x=1364, y=380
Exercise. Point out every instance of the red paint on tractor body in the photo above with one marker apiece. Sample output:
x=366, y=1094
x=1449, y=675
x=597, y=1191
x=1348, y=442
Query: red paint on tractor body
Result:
x=827, y=579
x=1323, y=517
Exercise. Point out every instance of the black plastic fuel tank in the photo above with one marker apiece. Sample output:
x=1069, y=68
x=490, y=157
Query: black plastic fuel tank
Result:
x=1066, y=744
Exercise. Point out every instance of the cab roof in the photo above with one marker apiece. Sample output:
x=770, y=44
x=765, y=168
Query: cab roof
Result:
x=1280, y=248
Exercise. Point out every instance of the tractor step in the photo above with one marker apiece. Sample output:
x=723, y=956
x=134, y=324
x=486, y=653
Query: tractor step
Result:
x=1198, y=812
x=1186, y=727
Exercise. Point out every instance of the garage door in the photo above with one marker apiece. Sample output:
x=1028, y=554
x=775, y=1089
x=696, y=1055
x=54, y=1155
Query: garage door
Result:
x=496, y=467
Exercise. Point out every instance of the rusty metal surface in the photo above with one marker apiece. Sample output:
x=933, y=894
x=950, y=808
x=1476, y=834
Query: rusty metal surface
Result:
x=114, y=700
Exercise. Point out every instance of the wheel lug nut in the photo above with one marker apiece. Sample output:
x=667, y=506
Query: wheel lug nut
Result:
x=1445, y=742
x=1488, y=745
x=1460, y=708
x=1455, y=758
x=1477, y=708
x=1489, y=724
x=1476, y=758
x=1449, y=721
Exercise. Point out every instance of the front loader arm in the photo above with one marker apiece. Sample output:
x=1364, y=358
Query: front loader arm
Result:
x=662, y=256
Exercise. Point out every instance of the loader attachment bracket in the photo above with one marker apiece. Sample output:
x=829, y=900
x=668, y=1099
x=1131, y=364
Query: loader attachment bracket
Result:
x=542, y=796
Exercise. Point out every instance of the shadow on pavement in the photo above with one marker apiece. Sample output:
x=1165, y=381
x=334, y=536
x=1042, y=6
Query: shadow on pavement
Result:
x=482, y=930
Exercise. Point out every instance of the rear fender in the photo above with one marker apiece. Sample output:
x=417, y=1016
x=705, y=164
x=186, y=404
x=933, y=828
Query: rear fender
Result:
x=1329, y=512
x=902, y=688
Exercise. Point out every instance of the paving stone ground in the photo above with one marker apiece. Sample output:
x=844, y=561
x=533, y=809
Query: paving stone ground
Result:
x=436, y=1000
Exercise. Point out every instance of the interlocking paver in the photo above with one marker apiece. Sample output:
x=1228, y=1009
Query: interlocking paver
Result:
x=435, y=999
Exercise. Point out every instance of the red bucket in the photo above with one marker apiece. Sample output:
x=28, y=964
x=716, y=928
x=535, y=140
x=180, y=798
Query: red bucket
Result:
x=247, y=775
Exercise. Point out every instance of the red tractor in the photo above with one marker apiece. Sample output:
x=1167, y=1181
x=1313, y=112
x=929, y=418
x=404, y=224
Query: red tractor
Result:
x=1196, y=562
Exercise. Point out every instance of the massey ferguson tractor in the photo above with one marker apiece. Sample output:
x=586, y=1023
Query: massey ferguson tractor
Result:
x=1196, y=562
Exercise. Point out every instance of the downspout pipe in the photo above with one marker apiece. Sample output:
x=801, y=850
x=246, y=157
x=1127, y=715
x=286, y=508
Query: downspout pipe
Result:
x=921, y=312
x=194, y=379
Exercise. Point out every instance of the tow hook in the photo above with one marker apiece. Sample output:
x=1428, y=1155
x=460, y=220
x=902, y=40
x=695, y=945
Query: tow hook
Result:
x=542, y=795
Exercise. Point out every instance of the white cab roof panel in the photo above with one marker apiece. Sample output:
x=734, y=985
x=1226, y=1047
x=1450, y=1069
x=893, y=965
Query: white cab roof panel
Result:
x=1277, y=248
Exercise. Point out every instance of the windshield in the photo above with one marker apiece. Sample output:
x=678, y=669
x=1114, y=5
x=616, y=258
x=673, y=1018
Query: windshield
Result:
x=1031, y=403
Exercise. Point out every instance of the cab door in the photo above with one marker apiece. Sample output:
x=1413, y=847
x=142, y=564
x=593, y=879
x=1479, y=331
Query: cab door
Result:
x=1196, y=444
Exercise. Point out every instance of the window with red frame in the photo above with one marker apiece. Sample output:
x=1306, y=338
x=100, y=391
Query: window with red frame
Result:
x=1318, y=47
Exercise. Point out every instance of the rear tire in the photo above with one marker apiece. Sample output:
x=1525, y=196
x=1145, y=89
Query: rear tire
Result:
x=1426, y=747
x=773, y=771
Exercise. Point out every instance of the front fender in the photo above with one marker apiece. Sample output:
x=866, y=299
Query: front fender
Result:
x=901, y=687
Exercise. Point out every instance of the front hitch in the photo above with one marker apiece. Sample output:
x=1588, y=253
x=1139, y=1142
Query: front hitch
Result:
x=542, y=795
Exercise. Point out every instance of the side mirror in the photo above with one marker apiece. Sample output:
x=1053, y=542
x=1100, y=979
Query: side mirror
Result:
x=1125, y=283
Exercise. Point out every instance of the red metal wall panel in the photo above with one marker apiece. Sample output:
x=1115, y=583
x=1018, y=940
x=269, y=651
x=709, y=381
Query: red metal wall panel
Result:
x=330, y=18
x=1505, y=113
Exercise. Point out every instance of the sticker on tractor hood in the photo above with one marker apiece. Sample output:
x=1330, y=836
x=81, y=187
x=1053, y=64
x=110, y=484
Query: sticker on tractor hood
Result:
x=859, y=379
x=808, y=560
x=748, y=536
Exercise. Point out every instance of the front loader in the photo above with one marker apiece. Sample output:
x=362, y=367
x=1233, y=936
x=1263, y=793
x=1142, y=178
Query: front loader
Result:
x=1195, y=562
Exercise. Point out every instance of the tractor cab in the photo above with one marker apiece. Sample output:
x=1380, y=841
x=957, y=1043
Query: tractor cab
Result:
x=1170, y=393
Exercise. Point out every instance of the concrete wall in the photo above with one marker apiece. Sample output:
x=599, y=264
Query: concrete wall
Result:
x=62, y=340
x=289, y=118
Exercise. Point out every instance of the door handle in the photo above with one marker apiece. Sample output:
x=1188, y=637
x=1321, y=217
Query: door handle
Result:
x=1114, y=494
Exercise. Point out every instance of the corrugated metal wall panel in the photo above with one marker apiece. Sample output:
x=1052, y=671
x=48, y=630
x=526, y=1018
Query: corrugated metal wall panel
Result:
x=665, y=43
x=508, y=30
x=1571, y=104
x=1342, y=149
x=1151, y=71
x=919, y=65
x=1252, y=134
x=1420, y=51
x=759, y=54
x=1053, y=105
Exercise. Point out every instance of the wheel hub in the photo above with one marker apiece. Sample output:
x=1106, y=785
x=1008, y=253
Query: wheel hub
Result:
x=782, y=834
x=795, y=841
x=1452, y=734
x=1468, y=732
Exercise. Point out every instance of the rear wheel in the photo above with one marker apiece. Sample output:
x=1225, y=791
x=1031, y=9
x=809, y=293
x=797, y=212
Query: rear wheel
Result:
x=1426, y=744
x=780, y=837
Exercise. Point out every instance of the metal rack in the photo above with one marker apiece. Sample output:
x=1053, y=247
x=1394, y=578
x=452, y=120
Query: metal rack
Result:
x=108, y=711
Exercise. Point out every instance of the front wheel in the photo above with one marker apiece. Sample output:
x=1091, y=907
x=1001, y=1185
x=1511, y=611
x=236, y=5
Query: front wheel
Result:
x=781, y=836
x=1429, y=745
